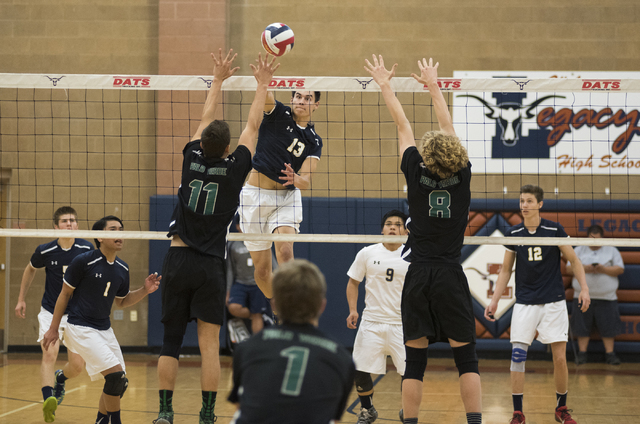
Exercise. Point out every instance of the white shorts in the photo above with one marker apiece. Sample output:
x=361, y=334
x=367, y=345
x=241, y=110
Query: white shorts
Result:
x=374, y=341
x=99, y=348
x=550, y=320
x=262, y=211
x=44, y=320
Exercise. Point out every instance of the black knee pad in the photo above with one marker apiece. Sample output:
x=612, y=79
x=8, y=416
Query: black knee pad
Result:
x=172, y=340
x=466, y=358
x=364, y=382
x=115, y=384
x=416, y=363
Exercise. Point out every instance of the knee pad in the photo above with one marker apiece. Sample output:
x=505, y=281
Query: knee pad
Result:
x=416, y=363
x=466, y=359
x=115, y=384
x=364, y=382
x=172, y=340
x=518, y=356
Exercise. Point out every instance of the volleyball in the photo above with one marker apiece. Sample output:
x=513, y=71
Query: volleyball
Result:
x=277, y=39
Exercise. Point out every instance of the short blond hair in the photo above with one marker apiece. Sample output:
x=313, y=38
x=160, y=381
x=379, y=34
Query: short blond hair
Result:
x=443, y=154
x=299, y=290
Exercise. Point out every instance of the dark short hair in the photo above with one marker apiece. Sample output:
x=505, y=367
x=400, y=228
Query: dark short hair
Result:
x=64, y=210
x=595, y=229
x=394, y=212
x=299, y=289
x=533, y=189
x=101, y=224
x=215, y=138
x=316, y=95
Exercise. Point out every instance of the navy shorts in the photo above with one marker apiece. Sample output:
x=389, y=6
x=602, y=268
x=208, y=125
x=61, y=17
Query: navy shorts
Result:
x=248, y=297
x=604, y=314
x=194, y=286
x=436, y=304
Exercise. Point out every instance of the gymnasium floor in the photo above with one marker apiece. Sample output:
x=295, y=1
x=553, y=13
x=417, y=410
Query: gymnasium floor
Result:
x=598, y=393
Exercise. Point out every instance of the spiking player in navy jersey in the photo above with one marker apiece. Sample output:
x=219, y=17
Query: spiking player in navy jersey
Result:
x=540, y=301
x=436, y=301
x=54, y=257
x=287, y=154
x=96, y=279
x=194, y=268
x=292, y=373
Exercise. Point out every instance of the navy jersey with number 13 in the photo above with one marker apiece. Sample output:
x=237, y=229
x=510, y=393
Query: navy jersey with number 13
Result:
x=208, y=197
x=281, y=140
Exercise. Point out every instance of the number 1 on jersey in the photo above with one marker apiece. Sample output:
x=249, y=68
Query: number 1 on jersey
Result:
x=297, y=358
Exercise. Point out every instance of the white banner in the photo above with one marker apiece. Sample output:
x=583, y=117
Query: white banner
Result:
x=593, y=130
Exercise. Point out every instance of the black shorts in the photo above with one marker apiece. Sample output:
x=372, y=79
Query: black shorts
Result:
x=194, y=286
x=436, y=304
x=603, y=313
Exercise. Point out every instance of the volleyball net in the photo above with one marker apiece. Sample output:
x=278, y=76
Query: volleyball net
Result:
x=108, y=144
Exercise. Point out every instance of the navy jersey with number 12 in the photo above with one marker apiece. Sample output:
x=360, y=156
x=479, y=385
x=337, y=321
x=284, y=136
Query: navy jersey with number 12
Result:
x=538, y=274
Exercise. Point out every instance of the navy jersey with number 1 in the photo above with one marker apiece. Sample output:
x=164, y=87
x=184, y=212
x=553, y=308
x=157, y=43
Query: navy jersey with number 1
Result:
x=96, y=283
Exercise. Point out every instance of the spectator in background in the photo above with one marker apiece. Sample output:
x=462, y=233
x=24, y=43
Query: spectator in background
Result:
x=602, y=265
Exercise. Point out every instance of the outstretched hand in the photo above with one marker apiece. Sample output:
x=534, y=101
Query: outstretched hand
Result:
x=265, y=69
x=428, y=72
x=289, y=175
x=152, y=282
x=222, y=66
x=379, y=73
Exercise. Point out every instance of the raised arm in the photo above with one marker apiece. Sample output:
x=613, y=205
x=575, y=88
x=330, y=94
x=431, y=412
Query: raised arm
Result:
x=429, y=77
x=221, y=71
x=270, y=102
x=263, y=73
x=383, y=78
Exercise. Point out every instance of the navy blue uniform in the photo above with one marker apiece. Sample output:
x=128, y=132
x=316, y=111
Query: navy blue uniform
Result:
x=538, y=275
x=208, y=198
x=439, y=210
x=55, y=260
x=436, y=301
x=96, y=282
x=281, y=140
x=291, y=374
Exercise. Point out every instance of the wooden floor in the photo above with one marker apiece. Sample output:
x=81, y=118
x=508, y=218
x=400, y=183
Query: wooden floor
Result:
x=598, y=393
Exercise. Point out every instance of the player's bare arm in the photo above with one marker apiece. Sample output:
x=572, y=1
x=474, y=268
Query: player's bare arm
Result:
x=27, y=278
x=269, y=103
x=578, y=271
x=302, y=179
x=383, y=77
x=352, y=300
x=429, y=77
x=501, y=284
x=221, y=71
x=263, y=72
x=151, y=284
x=51, y=336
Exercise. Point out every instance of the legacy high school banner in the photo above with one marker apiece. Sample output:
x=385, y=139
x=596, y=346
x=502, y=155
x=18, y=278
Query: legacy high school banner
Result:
x=592, y=131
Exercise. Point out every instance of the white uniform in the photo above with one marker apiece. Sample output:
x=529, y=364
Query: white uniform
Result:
x=380, y=331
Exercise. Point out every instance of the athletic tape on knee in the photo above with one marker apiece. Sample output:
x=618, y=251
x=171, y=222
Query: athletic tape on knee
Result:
x=466, y=359
x=172, y=341
x=115, y=384
x=364, y=382
x=416, y=363
x=518, y=356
